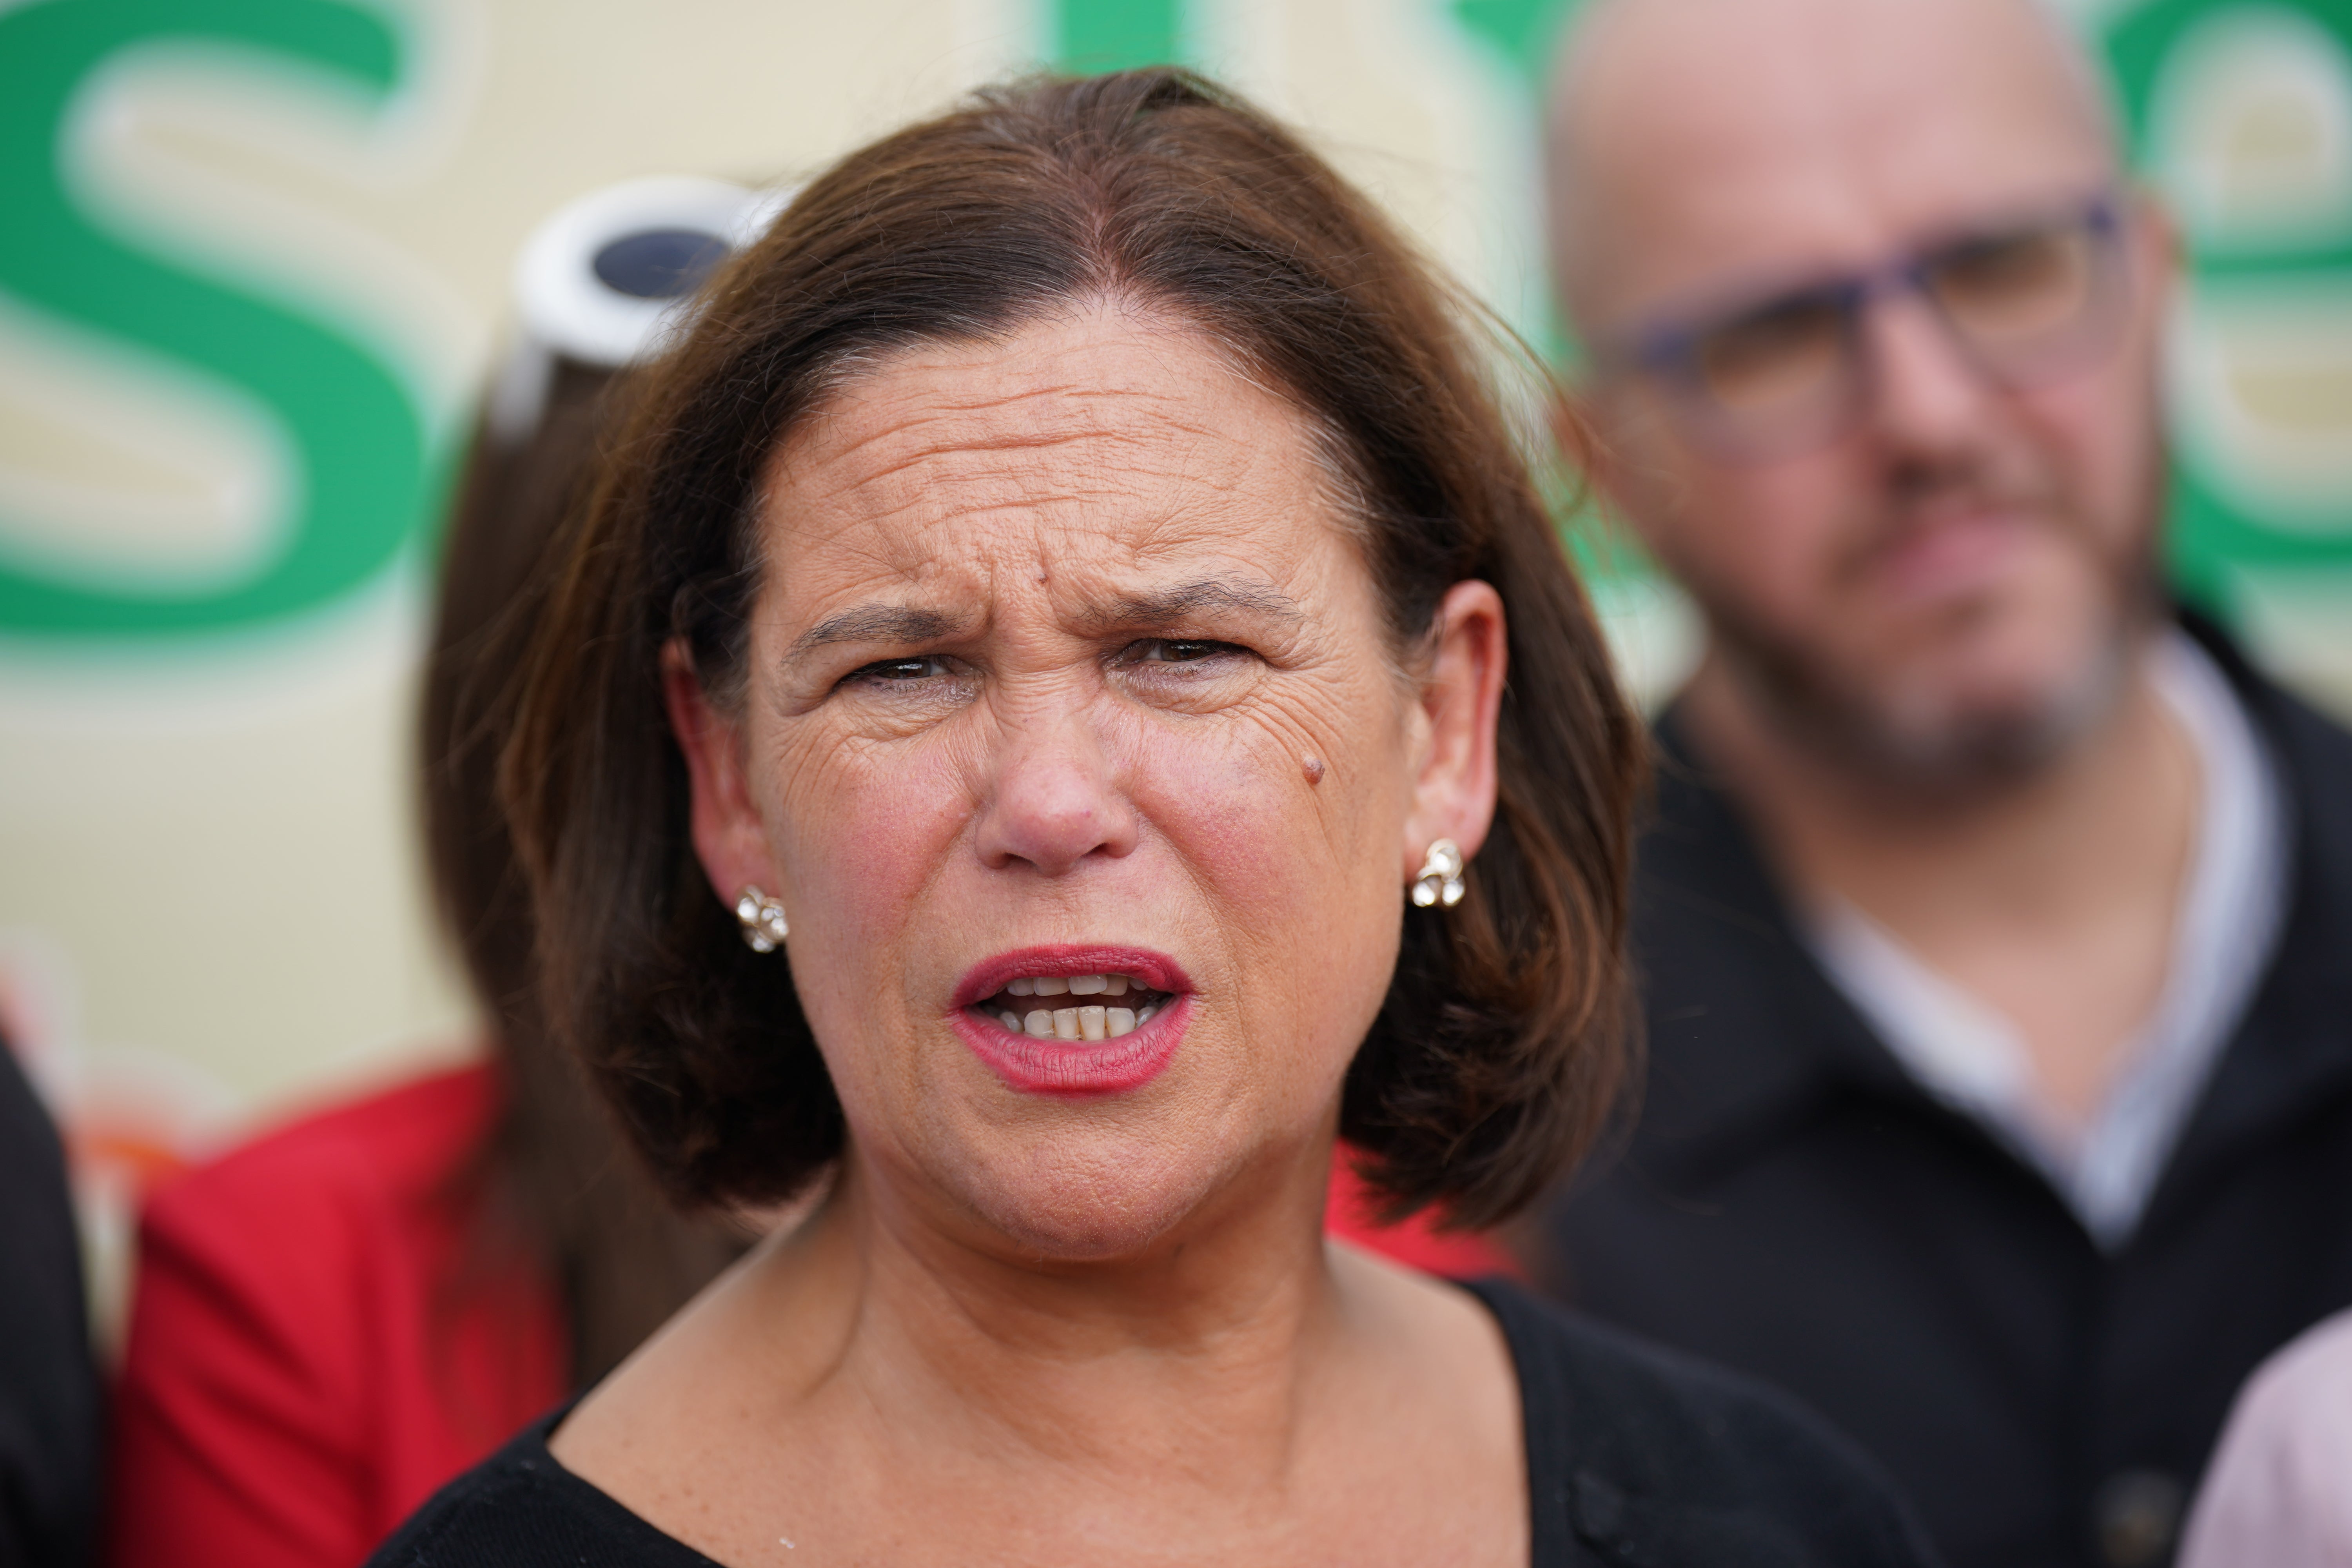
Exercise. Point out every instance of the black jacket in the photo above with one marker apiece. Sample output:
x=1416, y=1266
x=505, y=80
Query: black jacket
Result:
x=1793, y=1204
x=1636, y=1459
x=48, y=1384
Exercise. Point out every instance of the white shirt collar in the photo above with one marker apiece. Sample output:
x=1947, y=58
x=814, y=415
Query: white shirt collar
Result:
x=1968, y=1054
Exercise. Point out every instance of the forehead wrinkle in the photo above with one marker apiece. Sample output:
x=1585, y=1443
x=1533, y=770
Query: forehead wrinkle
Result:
x=911, y=495
x=896, y=409
x=947, y=453
x=919, y=529
x=959, y=401
x=903, y=483
x=976, y=460
x=917, y=536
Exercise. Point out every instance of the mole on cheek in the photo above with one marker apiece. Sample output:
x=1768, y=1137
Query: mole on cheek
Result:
x=1314, y=769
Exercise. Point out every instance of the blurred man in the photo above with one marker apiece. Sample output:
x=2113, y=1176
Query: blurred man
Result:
x=1997, y=923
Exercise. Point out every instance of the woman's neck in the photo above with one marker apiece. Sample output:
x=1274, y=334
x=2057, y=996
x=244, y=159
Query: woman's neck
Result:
x=1008, y=1355
x=886, y=1383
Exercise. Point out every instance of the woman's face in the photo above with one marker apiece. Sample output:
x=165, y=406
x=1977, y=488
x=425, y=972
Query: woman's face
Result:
x=1070, y=711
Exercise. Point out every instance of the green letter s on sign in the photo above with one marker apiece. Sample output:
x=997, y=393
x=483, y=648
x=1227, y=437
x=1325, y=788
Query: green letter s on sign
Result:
x=358, y=434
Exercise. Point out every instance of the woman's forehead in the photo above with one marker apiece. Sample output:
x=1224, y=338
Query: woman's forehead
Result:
x=1097, y=440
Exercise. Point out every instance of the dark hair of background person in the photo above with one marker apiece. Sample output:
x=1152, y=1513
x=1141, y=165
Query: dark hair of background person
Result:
x=556, y=1177
x=1505, y=1033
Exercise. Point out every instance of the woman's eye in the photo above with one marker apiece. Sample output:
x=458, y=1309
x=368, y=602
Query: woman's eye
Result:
x=1177, y=650
x=901, y=672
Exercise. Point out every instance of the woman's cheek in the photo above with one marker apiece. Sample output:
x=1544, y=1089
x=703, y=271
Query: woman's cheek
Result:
x=1298, y=875
x=866, y=828
x=1235, y=799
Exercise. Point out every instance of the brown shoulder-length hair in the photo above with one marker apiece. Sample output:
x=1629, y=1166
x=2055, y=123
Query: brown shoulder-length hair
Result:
x=553, y=1186
x=1504, y=1036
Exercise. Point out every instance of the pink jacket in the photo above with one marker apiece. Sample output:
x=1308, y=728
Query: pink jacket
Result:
x=2279, y=1494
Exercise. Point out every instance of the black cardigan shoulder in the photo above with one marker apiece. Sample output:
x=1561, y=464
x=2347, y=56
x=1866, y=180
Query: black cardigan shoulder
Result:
x=1643, y=1458
x=1637, y=1457
x=520, y=1509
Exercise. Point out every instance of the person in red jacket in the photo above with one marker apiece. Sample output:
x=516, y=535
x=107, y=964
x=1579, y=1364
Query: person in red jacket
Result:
x=338, y=1318
x=333, y=1320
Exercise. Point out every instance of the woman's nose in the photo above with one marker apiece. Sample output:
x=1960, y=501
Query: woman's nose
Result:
x=1056, y=799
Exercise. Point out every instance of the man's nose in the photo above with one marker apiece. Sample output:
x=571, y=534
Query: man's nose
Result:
x=1926, y=398
x=1056, y=798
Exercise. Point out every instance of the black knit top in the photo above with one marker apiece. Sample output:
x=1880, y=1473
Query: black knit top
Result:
x=1637, y=1457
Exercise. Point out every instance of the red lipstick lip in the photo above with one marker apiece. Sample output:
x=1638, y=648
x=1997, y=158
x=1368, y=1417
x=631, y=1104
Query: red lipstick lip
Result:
x=1156, y=970
x=1075, y=1069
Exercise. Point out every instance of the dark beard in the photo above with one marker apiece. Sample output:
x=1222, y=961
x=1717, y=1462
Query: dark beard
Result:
x=1938, y=759
x=1932, y=759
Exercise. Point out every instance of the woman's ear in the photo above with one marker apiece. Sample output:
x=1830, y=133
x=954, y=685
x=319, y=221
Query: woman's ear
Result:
x=1460, y=698
x=729, y=838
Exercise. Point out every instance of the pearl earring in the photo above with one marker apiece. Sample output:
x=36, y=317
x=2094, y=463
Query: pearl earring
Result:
x=763, y=921
x=1440, y=882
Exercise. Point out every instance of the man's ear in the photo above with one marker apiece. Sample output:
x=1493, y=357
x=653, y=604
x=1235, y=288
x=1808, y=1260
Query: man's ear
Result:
x=1606, y=440
x=2157, y=234
x=729, y=838
x=1461, y=699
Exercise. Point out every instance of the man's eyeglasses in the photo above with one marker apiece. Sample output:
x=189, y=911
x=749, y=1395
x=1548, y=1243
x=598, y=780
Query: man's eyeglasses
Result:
x=2024, y=302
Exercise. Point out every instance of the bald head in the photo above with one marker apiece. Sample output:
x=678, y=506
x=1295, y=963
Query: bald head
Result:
x=1689, y=139
x=1936, y=559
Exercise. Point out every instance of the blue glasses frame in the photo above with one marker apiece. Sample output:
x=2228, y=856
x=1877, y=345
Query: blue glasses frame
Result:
x=1670, y=351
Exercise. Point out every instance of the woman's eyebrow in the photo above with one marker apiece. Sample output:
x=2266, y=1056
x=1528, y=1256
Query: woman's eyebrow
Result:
x=1167, y=605
x=876, y=622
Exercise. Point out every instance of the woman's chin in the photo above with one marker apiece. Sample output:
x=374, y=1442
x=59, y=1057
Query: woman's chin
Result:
x=1099, y=1207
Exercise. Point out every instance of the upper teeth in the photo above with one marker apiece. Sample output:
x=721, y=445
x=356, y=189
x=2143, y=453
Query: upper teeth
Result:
x=1070, y=984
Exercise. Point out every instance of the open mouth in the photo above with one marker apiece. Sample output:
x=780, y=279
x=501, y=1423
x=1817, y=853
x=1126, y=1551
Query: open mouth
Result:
x=1075, y=1019
x=1075, y=1008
